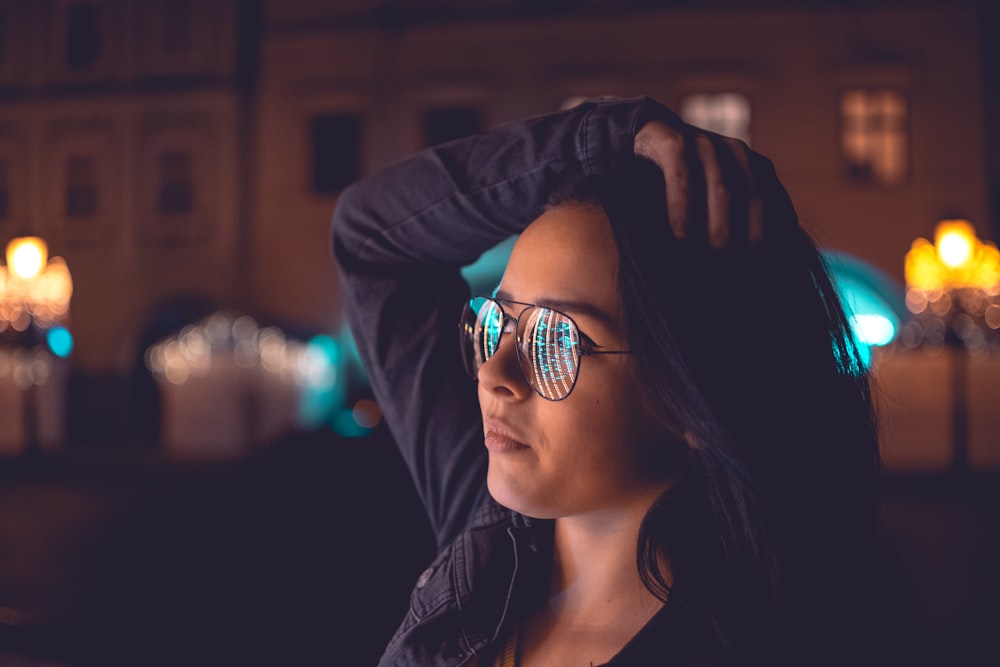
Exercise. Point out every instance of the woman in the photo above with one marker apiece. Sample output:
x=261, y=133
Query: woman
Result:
x=665, y=453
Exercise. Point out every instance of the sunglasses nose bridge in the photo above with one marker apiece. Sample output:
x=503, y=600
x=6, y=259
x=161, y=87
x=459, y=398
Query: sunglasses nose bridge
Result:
x=509, y=325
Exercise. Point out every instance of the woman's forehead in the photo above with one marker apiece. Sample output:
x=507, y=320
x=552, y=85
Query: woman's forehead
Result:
x=567, y=254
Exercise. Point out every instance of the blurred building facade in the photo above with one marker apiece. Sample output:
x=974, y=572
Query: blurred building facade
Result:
x=172, y=147
x=121, y=144
x=873, y=114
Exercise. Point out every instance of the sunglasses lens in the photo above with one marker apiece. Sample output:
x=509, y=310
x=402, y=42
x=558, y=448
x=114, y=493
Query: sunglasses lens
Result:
x=548, y=344
x=480, y=329
x=549, y=347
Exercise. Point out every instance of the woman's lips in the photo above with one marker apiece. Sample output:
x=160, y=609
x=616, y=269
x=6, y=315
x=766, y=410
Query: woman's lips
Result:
x=499, y=439
x=496, y=442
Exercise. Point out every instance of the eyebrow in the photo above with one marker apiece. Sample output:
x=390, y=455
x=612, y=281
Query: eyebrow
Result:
x=568, y=306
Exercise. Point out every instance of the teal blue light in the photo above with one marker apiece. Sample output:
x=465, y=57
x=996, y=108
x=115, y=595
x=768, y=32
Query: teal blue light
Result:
x=346, y=425
x=874, y=303
x=334, y=367
x=315, y=406
x=323, y=390
x=326, y=347
x=865, y=352
x=351, y=358
x=873, y=329
x=60, y=341
x=484, y=274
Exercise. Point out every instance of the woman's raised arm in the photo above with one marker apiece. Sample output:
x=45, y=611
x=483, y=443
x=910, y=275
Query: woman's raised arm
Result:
x=402, y=235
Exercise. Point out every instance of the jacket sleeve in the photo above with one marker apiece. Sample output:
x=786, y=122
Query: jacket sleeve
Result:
x=400, y=238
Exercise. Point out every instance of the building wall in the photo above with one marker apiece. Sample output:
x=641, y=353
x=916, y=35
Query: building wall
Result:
x=320, y=57
x=124, y=100
x=793, y=65
x=258, y=236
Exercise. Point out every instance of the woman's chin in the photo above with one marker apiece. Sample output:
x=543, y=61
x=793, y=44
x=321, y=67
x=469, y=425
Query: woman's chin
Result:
x=507, y=490
x=511, y=492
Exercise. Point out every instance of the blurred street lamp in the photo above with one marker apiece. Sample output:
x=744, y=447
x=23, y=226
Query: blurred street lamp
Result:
x=953, y=292
x=33, y=288
x=35, y=292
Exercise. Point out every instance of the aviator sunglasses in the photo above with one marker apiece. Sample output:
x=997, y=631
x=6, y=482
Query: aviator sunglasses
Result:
x=548, y=343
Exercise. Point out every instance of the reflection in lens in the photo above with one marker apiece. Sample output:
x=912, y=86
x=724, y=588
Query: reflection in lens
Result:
x=549, y=340
x=486, y=330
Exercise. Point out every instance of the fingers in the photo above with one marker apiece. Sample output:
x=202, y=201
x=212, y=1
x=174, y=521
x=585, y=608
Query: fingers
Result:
x=716, y=187
x=666, y=145
x=717, y=192
x=678, y=186
x=748, y=218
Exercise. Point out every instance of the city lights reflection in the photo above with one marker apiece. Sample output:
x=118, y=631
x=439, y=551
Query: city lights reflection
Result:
x=35, y=293
x=26, y=257
x=33, y=287
x=953, y=291
x=873, y=301
x=26, y=367
x=873, y=329
x=314, y=368
x=198, y=348
x=367, y=413
x=60, y=341
x=955, y=241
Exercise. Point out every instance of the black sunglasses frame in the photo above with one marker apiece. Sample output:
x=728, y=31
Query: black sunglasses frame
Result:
x=525, y=373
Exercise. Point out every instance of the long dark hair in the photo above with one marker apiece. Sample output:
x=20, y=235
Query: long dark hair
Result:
x=749, y=366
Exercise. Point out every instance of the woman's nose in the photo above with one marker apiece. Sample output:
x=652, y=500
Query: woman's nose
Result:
x=501, y=374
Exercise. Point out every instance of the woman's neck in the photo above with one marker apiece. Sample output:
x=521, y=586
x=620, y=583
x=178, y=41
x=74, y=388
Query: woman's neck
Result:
x=594, y=576
x=596, y=600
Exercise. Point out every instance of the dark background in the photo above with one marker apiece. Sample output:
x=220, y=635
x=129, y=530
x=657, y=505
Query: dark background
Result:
x=304, y=551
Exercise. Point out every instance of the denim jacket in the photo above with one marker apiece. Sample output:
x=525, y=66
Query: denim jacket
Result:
x=400, y=238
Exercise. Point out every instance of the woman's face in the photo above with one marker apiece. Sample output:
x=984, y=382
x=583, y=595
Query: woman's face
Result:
x=588, y=453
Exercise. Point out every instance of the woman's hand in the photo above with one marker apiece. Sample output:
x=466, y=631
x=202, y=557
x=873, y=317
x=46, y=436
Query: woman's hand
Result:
x=717, y=187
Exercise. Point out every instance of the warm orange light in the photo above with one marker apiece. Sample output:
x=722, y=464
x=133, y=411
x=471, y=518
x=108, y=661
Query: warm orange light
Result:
x=26, y=256
x=956, y=260
x=923, y=270
x=956, y=242
x=32, y=286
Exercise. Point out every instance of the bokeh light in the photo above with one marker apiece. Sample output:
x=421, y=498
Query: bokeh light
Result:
x=873, y=329
x=955, y=241
x=875, y=305
x=26, y=257
x=313, y=369
x=953, y=290
x=367, y=413
x=60, y=341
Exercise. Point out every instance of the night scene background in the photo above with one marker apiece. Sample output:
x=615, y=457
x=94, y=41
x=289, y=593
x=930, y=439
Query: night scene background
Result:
x=192, y=468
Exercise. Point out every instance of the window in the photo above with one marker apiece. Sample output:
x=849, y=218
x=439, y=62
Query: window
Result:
x=81, y=187
x=447, y=123
x=724, y=113
x=176, y=196
x=83, y=35
x=177, y=19
x=873, y=136
x=336, y=151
